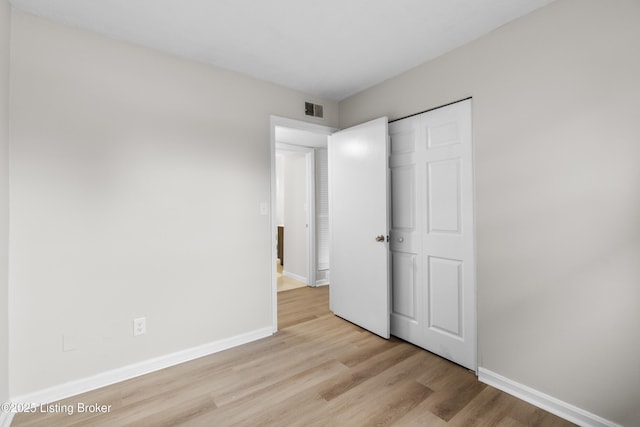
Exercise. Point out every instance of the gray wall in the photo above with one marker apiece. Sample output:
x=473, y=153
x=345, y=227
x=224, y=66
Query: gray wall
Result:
x=556, y=104
x=5, y=37
x=136, y=182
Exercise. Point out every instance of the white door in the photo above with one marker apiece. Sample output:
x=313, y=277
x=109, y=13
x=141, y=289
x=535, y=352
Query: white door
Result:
x=358, y=224
x=432, y=232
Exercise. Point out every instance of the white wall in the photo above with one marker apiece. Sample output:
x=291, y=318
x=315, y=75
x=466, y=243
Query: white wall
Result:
x=296, y=243
x=556, y=102
x=5, y=36
x=136, y=181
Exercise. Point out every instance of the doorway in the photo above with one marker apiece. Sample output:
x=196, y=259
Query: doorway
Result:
x=294, y=190
x=305, y=145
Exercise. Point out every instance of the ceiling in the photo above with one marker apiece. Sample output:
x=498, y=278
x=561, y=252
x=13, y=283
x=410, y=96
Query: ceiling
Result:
x=326, y=48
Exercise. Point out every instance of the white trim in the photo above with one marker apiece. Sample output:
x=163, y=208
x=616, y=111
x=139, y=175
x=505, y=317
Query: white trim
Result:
x=295, y=277
x=541, y=400
x=302, y=125
x=282, y=146
x=273, y=121
x=83, y=385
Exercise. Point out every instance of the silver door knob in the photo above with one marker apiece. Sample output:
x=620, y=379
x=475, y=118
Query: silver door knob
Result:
x=380, y=238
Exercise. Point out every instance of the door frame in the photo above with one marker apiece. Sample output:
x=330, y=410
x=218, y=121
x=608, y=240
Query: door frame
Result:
x=297, y=125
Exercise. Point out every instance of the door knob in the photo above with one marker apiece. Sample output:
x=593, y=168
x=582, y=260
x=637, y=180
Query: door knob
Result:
x=380, y=238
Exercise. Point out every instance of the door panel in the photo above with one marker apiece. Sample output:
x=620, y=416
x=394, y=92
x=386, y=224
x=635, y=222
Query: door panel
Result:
x=445, y=132
x=443, y=190
x=404, y=295
x=444, y=295
x=405, y=244
x=358, y=213
x=443, y=237
x=402, y=189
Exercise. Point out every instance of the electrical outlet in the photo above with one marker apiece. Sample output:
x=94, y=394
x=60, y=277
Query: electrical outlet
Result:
x=139, y=326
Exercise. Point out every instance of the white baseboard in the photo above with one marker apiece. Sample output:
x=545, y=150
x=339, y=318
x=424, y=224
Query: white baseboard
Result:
x=323, y=282
x=544, y=401
x=295, y=276
x=83, y=385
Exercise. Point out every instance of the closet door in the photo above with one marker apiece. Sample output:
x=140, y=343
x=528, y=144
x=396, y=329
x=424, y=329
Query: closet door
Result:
x=432, y=234
x=405, y=239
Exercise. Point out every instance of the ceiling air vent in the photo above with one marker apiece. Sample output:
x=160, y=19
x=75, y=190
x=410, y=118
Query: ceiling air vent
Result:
x=314, y=110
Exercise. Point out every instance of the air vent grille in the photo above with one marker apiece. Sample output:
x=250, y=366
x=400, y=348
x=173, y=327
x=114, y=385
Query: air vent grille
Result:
x=313, y=110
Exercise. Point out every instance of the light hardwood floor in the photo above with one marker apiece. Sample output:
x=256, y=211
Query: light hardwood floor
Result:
x=318, y=370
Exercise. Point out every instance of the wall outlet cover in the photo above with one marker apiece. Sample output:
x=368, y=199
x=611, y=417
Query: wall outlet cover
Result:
x=139, y=326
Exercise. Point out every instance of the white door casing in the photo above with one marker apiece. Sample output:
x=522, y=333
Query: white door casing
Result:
x=432, y=232
x=358, y=222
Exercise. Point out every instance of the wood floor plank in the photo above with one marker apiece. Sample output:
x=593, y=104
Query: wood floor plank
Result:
x=420, y=416
x=366, y=370
x=488, y=408
x=369, y=346
x=279, y=398
x=388, y=396
x=531, y=416
x=168, y=410
x=453, y=394
x=318, y=370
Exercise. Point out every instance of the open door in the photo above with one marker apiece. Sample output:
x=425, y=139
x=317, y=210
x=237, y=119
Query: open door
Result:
x=359, y=224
